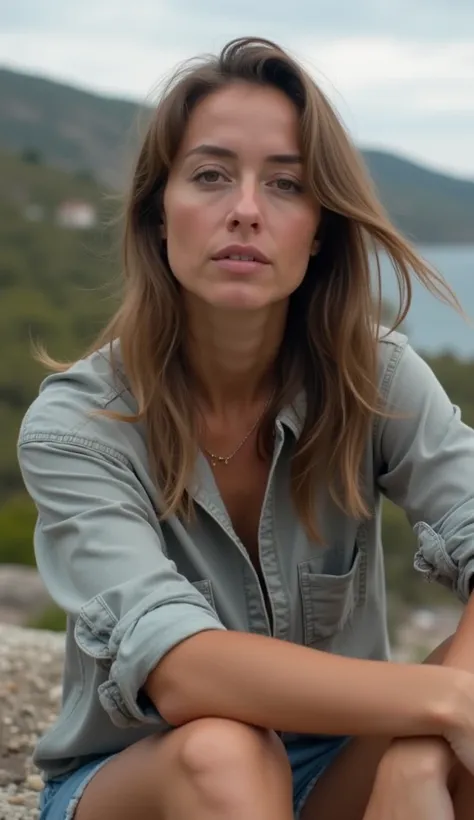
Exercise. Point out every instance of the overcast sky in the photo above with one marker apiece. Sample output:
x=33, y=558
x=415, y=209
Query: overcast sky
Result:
x=400, y=72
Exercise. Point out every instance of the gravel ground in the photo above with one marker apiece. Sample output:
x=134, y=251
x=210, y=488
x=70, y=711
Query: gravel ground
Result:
x=30, y=694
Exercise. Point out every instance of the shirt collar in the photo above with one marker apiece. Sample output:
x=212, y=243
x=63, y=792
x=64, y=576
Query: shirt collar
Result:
x=293, y=415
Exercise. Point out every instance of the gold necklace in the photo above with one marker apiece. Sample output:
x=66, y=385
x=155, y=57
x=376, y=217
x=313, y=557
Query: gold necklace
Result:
x=215, y=459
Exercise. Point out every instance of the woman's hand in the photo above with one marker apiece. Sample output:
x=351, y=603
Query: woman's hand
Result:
x=412, y=782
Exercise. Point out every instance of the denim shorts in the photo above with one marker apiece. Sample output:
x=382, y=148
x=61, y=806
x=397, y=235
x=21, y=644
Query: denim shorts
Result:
x=309, y=757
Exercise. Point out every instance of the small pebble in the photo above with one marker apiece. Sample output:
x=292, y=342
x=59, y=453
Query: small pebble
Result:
x=17, y=800
x=34, y=782
x=55, y=693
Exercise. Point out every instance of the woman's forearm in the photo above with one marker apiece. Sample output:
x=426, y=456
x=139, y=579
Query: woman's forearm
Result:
x=286, y=687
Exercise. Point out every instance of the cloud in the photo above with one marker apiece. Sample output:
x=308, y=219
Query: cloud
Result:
x=400, y=72
x=427, y=20
x=418, y=76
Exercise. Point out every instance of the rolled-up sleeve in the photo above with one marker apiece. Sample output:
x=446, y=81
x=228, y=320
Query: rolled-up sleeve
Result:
x=426, y=458
x=105, y=564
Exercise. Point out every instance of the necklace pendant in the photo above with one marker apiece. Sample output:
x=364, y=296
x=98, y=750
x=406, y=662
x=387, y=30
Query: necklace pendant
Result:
x=215, y=459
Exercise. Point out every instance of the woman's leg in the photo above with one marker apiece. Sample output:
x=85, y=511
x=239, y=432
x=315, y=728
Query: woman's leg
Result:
x=343, y=791
x=205, y=770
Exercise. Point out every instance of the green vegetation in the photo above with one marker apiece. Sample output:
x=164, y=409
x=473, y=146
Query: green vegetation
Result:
x=53, y=620
x=54, y=288
x=52, y=285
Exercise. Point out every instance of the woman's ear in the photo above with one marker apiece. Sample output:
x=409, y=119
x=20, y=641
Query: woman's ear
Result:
x=316, y=244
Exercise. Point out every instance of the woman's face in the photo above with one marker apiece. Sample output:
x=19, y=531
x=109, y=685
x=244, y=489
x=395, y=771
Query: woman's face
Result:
x=239, y=221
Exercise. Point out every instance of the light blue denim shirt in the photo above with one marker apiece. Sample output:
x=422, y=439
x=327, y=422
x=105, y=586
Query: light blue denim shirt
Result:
x=134, y=587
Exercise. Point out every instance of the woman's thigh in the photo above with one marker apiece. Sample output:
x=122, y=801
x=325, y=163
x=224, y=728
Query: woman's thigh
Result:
x=343, y=791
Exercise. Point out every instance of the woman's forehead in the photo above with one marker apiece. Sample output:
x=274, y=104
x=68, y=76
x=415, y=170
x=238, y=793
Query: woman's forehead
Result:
x=244, y=115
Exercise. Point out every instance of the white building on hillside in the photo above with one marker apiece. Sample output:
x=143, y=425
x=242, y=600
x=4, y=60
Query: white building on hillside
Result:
x=76, y=214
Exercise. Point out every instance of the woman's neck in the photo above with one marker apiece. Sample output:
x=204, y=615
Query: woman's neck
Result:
x=233, y=352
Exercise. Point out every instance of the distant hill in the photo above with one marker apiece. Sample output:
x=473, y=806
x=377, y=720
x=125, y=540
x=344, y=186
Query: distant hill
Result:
x=430, y=206
x=83, y=132
x=72, y=129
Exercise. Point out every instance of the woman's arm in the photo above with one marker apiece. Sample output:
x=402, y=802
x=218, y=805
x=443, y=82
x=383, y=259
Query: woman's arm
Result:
x=283, y=686
x=106, y=566
x=426, y=461
x=424, y=456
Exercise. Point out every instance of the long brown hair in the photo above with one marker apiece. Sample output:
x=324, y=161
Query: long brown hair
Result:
x=330, y=344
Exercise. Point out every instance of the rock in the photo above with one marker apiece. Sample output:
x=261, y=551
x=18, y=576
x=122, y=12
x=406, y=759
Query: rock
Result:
x=17, y=799
x=34, y=782
x=5, y=778
x=55, y=694
x=30, y=689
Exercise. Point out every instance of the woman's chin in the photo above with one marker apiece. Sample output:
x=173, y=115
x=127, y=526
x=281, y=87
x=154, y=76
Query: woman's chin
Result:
x=240, y=298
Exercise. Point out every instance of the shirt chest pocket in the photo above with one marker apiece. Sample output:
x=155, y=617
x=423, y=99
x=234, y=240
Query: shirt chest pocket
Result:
x=328, y=601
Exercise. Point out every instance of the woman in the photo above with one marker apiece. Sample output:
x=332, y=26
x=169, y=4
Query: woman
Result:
x=208, y=482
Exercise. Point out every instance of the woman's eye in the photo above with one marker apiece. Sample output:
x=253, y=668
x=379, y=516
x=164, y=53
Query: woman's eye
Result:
x=290, y=185
x=208, y=176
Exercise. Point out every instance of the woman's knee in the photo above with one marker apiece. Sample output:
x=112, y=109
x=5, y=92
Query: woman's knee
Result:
x=226, y=767
x=214, y=745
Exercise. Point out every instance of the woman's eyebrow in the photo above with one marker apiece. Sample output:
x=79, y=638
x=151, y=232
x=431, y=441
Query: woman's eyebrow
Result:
x=219, y=151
